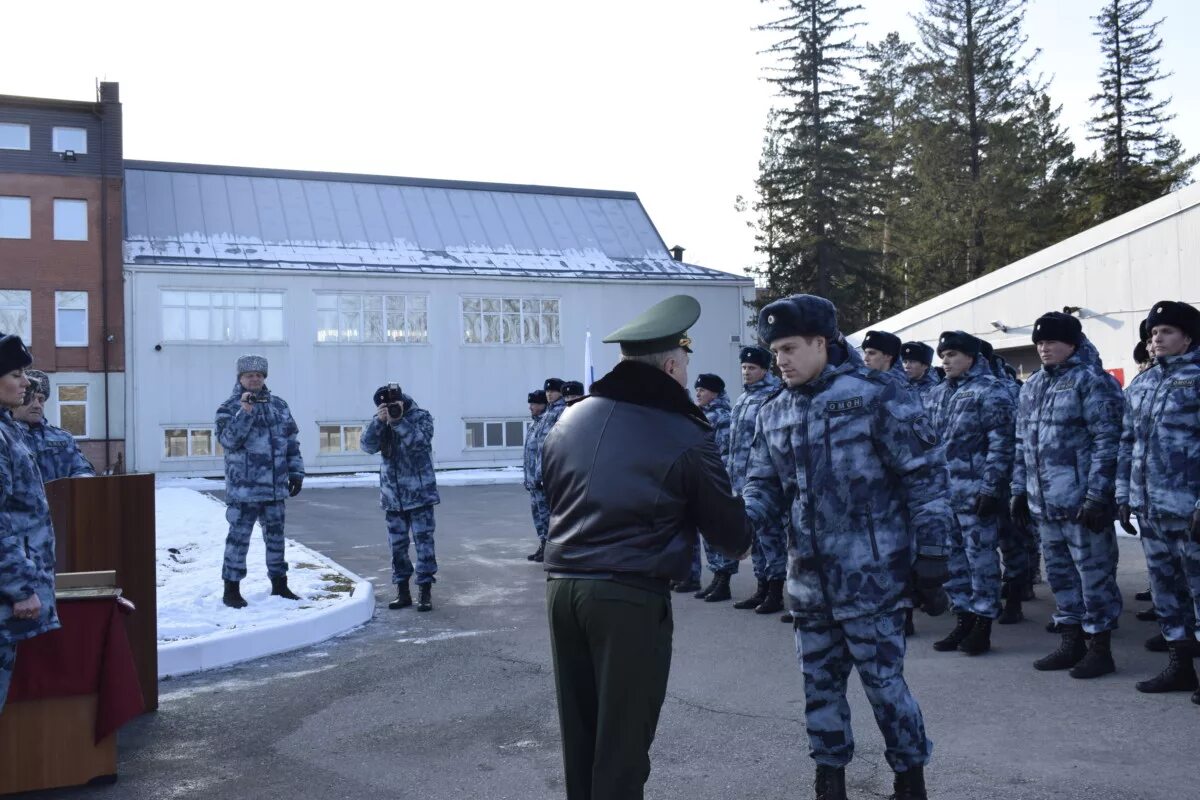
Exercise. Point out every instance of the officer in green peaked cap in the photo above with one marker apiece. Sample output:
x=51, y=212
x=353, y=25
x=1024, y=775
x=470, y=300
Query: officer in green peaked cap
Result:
x=664, y=326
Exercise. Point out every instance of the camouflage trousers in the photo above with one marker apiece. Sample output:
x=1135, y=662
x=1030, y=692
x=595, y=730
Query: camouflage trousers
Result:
x=415, y=525
x=716, y=561
x=974, y=584
x=1173, y=561
x=828, y=649
x=541, y=513
x=8, y=660
x=241, y=518
x=1081, y=568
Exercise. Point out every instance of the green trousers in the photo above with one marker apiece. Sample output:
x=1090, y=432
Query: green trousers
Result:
x=611, y=645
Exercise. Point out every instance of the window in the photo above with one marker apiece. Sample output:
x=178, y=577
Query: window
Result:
x=14, y=313
x=72, y=408
x=14, y=217
x=390, y=318
x=495, y=433
x=73, y=139
x=70, y=220
x=189, y=316
x=510, y=320
x=185, y=442
x=335, y=439
x=71, y=319
x=14, y=136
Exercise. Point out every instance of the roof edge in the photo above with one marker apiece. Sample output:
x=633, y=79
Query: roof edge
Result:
x=48, y=102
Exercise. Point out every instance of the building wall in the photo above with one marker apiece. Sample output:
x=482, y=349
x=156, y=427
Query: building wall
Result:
x=180, y=385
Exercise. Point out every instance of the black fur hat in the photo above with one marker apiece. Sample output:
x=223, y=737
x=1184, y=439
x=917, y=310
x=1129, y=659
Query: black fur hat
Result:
x=537, y=396
x=961, y=341
x=1059, y=327
x=1177, y=315
x=798, y=315
x=553, y=385
x=759, y=356
x=13, y=353
x=711, y=382
x=916, y=351
x=884, y=342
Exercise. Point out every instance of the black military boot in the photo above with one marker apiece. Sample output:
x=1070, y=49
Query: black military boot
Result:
x=1011, y=614
x=1098, y=661
x=1143, y=597
x=830, y=783
x=787, y=617
x=1157, y=643
x=403, y=596
x=279, y=588
x=687, y=586
x=754, y=600
x=909, y=628
x=773, y=602
x=966, y=621
x=707, y=590
x=979, y=640
x=233, y=595
x=720, y=590
x=1179, y=676
x=1196, y=697
x=425, y=597
x=1070, y=652
x=1146, y=615
x=538, y=555
x=910, y=785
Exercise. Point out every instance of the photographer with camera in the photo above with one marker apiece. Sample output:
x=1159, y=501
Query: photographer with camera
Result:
x=402, y=433
x=263, y=468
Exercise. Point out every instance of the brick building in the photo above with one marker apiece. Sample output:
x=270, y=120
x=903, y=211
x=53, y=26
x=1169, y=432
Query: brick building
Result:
x=61, y=179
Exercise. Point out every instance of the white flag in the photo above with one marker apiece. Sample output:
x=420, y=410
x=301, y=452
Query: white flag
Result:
x=589, y=372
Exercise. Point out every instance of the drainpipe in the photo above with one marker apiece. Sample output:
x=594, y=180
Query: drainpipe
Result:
x=104, y=336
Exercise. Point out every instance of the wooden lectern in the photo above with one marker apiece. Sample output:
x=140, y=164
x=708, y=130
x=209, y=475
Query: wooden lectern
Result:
x=107, y=523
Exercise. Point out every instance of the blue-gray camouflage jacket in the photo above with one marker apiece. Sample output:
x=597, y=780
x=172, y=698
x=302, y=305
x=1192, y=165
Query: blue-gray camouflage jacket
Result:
x=406, y=477
x=851, y=460
x=1159, y=468
x=973, y=416
x=26, y=537
x=533, y=452
x=56, y=452
x=741, y=426
x=261, y=448
x=717, y=412
x=1068, y=429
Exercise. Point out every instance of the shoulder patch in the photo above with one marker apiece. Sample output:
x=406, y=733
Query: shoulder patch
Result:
x=924, y=431
x=1182, y=383
x=842, y=406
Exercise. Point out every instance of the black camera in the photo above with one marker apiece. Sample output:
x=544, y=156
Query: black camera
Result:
x=391, y=396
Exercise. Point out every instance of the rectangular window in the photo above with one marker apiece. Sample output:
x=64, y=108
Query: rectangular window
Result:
x=375, y=318
x=70, y=220
x=510, y=320
x=71, y=319
x=73, y=139
x=14, y=136
x=14, y=313
x=226, y=316
x=334, y=439
x=73, y=408
x=14, y=218
x=494, y=433
x=191, y=442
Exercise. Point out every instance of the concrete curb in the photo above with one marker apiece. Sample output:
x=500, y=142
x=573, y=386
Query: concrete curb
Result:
x=205, y=653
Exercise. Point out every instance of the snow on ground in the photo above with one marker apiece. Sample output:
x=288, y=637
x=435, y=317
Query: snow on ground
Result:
x=190, y=548
x=445, y=477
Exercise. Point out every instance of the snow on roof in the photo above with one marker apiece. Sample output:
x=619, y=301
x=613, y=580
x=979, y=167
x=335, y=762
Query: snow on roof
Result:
x=212, y=216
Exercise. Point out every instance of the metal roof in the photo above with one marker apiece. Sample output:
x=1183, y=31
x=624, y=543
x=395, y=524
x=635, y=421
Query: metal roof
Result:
x=211, y=216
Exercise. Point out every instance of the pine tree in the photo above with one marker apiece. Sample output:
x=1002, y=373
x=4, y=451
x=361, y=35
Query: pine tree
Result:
x=1138, y=160
x=1053, y=175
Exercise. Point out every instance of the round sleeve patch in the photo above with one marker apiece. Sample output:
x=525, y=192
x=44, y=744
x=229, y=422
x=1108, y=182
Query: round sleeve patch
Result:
x=924, y=431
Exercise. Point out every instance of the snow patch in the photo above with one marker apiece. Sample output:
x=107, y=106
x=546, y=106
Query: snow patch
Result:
x=445, y=477
x=440, y=637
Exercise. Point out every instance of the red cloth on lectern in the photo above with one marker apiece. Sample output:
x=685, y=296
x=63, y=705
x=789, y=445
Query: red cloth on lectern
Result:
x=89, y=654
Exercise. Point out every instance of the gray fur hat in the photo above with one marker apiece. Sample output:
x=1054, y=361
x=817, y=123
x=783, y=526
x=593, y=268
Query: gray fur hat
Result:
x=252, y=363
x=39, y=383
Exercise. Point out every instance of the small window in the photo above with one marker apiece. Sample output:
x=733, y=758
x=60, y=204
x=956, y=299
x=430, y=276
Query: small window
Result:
x=70, y=220
x=14, y=217
x=14, y=136
x=198, y=442
x=14, y=313
x=72, y=409
x=223, y=316
x=73, y=139
x=510, y=320
x=336, y=439
x=494, y=433
x=71, y=319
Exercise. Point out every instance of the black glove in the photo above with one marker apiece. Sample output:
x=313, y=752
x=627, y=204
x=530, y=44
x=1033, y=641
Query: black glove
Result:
x=1195, y=530
x=986, y=506
x=929, y=573
x=1019, y=507
x=294, y=485
x=1123, y=515
x=1095, y=516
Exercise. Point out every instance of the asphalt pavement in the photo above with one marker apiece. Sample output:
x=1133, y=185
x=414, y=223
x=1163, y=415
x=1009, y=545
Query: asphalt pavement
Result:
x=459, y=702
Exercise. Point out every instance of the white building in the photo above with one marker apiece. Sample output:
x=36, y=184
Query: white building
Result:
x=1109, y=275
x=469, y=295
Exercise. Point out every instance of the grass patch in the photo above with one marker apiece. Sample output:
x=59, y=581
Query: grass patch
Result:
x=337, y=583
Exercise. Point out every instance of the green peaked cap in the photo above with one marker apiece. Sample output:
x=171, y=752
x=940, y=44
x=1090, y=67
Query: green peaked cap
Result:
x=661, y=327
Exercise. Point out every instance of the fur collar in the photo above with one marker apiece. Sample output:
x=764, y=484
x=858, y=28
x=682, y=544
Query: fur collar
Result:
x=644, y=385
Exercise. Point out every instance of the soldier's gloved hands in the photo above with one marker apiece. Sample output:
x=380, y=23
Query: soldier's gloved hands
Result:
x=929, y=573
x=1019, y=508
x=986, y=505
x=1195, y=529
x=294, y=485
x=1094, y=515
x=1123, y=514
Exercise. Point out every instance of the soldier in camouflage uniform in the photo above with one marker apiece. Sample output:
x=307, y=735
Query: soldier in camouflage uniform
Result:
x=26, y=534
x=56, y=451
x=407, y=491
x=881, y=351
x=1068, y=429
x=917, y=358
x=1158, y=478
x=533, y=471
x=847, y=455
x=263, y=468
x=714, y=402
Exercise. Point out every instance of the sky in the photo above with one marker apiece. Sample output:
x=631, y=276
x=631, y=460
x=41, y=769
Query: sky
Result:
x=665, y=98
